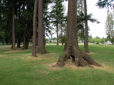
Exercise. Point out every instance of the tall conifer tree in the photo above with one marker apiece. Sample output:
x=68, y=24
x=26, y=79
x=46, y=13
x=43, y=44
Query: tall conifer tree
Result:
x=41, y=45
x=34, y=29
x=57, y=14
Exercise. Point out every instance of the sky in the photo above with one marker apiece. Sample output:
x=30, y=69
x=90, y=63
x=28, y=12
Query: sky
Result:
x=99, y=14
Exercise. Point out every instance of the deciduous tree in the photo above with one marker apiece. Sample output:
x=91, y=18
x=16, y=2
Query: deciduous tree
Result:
x=109, y=25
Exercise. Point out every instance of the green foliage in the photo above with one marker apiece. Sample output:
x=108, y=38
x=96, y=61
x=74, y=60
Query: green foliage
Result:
x=80, y=23
x=46, y=40
x=102, y=40
x=23, y=17
x=62, y=38
x=97, y=40
x=56, y=13
x=105, y=3
x=109, y=25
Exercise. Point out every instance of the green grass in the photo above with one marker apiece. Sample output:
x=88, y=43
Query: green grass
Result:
x=4, y=45
x=19, y=68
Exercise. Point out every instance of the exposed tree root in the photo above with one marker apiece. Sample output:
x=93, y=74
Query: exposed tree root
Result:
x=79, y=58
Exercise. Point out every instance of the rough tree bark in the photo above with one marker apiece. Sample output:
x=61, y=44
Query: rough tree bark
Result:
x=71, y=48
x=86, y=29
x=13, y=29
x=41, y=46
x=34, y=29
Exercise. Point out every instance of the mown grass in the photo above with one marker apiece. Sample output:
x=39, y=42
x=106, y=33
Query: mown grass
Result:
x=5, y=45
x=19, y=68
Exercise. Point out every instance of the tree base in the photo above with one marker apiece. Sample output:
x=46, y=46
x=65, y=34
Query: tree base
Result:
x=18, y=47
x=42, y=51
x=79, y=58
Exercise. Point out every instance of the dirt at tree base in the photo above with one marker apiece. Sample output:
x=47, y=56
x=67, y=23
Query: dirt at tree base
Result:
x=71, y=66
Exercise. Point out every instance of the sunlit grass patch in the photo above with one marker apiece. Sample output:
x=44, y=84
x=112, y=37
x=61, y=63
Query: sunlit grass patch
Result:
x=20, y=68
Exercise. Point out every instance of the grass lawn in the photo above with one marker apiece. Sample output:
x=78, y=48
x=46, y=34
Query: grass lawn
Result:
x=19, y=68
x=5, y=45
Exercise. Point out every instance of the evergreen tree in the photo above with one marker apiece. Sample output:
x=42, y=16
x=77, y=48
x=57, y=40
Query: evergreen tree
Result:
x=57, y=14
x=105, y=3
x=34, y=29
x=86, y=29
x=41, y=45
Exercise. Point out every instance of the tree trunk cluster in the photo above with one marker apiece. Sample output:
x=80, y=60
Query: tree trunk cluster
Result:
x=41, y=31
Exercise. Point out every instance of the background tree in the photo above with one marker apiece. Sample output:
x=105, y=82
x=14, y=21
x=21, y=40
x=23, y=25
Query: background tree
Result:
x=62, y=30
x=82, y=18
x=86, y=29
x=13, y=26
x=57, y=14
x=34, y=29
x=18, y=21
x=11, y=5
x=41, y=45
x=109, y=25
x=28, y=13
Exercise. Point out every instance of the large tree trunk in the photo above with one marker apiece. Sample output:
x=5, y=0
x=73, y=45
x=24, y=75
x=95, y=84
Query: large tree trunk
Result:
x=13, y=29
x=41, y=46
x=34, y=30
x=71, y=45
x=86, y=29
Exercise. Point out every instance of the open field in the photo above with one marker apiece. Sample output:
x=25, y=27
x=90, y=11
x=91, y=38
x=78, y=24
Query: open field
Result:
x=19, y=68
